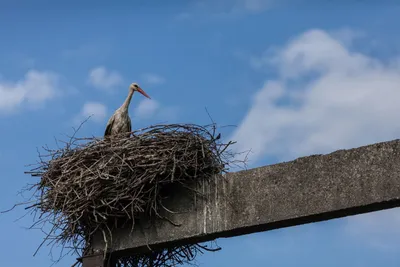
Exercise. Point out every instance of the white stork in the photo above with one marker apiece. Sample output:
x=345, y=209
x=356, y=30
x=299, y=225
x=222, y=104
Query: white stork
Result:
x=120, y=122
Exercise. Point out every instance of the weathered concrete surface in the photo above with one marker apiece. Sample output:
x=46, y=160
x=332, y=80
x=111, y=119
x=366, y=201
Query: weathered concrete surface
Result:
x=305, y=190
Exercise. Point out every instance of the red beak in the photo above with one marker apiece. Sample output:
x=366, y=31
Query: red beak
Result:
x=140, y=90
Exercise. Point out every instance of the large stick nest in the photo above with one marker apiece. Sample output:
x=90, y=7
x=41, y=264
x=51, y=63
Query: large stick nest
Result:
x=93, y=184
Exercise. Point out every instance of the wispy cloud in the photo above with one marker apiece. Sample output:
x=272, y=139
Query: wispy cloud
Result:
x=226, y=8
x=95, y=110
x=237, y=6
x=96, y=50
x=152, y=109
x=252, y=5
x=146, y=108
x=183, y=16
x=153, y=79
x=34, y=89
x=347, y=36
x=104, y=79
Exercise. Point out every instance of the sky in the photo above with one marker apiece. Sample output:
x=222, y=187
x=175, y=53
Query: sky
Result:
x=294, y=77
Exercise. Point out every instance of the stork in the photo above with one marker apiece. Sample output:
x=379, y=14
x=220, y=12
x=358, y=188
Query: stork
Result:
x=120, y=122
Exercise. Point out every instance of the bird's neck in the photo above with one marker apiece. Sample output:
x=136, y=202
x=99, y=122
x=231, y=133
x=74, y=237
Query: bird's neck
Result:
x=125, y=105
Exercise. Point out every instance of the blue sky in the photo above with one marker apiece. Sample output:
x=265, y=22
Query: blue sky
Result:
x=296, y=77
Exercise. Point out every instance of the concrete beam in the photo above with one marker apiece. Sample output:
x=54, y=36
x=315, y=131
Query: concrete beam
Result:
x=308, y=189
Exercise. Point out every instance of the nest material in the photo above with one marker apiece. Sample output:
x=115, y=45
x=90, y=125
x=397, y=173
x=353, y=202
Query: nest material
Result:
x=167, y=257
x=92, y=183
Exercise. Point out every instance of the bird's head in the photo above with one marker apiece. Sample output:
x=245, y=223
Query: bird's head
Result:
x=135, y=87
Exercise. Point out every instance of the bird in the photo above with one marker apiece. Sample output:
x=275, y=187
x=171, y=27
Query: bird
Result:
x=120, y=122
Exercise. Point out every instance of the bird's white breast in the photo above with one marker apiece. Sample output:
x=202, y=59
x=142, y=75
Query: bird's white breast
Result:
x=121, y=121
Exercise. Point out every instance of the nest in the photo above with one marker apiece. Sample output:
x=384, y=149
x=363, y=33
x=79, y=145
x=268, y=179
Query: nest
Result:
x=167, y=257
x=95, y=184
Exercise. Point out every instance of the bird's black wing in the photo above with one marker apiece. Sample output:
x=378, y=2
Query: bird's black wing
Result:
x=109, y=126
x=129, y=125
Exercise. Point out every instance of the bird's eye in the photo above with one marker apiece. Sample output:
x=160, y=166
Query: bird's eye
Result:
x=136, y=86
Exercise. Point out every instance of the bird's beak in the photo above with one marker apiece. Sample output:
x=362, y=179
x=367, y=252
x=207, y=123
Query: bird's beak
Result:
x=140, y=90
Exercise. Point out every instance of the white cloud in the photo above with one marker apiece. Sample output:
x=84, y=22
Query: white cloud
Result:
x=253, y=5
x=146, y=108
x=96, y=111
x=97, y=50
x=221, y=9
x=152, y=109
x=183, y=16
x=238, y=6
x=104, y=79
x=347, y=36
x=34, y=89
x=154, y=79
x=326, y=97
